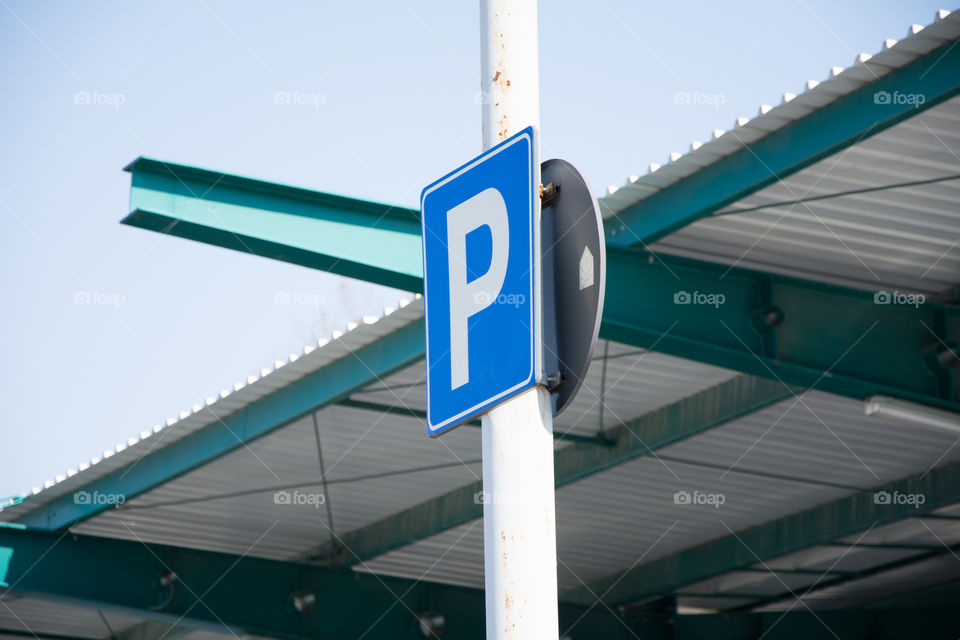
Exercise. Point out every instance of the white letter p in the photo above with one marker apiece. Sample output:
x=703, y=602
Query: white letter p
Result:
x=466, y=299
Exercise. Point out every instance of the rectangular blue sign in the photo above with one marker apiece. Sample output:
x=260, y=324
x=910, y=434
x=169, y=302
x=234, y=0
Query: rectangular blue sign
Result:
x=480, y=263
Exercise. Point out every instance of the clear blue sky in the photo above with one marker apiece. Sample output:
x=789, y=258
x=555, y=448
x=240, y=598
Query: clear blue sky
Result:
x=194, y=82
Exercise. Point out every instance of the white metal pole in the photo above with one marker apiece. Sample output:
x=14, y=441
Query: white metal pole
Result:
x=519, y=523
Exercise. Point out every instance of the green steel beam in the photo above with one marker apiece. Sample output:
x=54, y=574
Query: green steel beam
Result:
x=945, y=594
x=152, y=630
x=814, y=526
x=248, y=595
x=929, y=623
x=823, y=132
x=824, y=582
x=269, y=219
x=729, y=595
x=312, y=229
x=254, y=596
x=40, y=635
x=806, y=333
x=330, y=384
x=897, y=546
x=800, y=572
x=682, y=419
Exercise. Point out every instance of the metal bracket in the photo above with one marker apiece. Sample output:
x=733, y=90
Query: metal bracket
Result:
x=548, y=192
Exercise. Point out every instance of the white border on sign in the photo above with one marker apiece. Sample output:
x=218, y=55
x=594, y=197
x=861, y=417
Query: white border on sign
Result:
x=530, y=134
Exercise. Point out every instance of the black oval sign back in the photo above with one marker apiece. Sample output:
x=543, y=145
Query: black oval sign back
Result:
x=574, y=273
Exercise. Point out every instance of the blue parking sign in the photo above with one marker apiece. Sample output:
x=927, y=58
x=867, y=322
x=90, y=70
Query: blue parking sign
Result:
x=480, y=264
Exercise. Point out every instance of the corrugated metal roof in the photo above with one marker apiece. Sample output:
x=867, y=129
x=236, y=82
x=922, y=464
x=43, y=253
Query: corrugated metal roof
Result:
x=228, y=504
x=887, y=239
x=808, y=225
x=784, y=459
x=35, y=616
x=881, y=586
x=936, y=565
x=203, y=508
x=636, y=382
x=829, y=562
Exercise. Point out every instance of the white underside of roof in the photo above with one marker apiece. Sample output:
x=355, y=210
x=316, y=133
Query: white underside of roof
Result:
x=611, y=520
x=905, y=239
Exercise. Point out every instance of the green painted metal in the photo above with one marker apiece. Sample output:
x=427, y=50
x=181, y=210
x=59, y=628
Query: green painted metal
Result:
x=800, y=572
x=251, y=595
x=682, y=419
x=327, y=385
x=826, y=337
x=833, y=337
x=152, y=630
x=5, y=556
x=247, y=594
x=903, y=546
x=414, y=523
x=818, y=525
x=939, y=595
x=40, y=635
x=800, y=624
x=268, y=219
x=316, y=230
x=833, y=579
x=823, y=132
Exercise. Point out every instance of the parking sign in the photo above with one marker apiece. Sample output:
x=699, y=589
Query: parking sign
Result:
x=481, y=252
